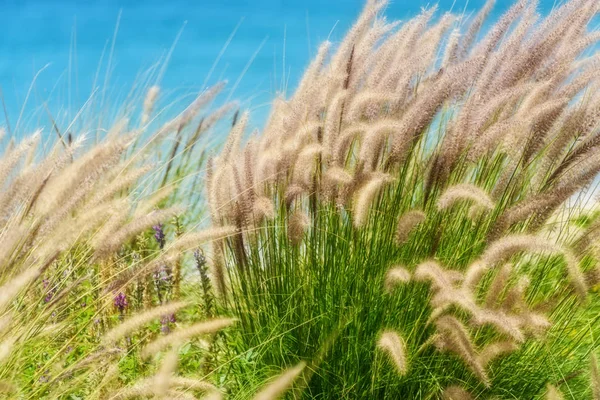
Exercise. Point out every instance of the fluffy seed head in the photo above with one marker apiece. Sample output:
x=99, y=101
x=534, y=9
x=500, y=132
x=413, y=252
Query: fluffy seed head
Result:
x=395, y=276
x=465, y=191
x=406, y=223
x=392, y=344
x=281, y=384
x=364, y=198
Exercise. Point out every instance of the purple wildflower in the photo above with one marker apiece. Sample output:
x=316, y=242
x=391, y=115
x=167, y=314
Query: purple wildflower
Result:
x=159, y=235
x=164, y=324
x=121, y=301
x=50, y=291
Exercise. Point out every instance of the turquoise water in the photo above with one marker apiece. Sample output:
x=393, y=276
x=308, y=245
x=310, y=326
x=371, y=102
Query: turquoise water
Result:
x=73, y=40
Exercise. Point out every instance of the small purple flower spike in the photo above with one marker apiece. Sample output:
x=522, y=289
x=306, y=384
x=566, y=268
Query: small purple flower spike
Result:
x=159, y=235
x=121, y=301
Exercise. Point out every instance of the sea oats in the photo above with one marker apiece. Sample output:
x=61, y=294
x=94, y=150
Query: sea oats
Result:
x=281, y=384
x=392, y=344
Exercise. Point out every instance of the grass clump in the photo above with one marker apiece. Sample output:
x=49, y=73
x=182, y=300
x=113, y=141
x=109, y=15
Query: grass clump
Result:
x=419, y=179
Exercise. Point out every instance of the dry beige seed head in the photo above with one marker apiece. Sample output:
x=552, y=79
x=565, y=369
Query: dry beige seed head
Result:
x=395, y=347
x=149, y=101
x=498, y=285
x=456, y=338
x=6, y=347
x=232, y=145
x=338, y=175
x=441, y=279
x=552, y=393
x=203, y=98
x=281, y=384
x=465, y=191
x=406, y=223
x=494, y=350
x=292, y=193
x=263, y=209
x=365, y=196
x=595, y=376
x=395, y=276
x=297, y=225
x=534, y=323
x=15, y=285
x=194, y=239
x=507, y=246
x=473, y=275
x=7, y=387
x=456, y=393
x=163, y=377
x=507, y=324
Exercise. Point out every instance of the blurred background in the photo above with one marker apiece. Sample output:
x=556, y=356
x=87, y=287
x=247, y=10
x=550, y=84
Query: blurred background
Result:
x=54, y=54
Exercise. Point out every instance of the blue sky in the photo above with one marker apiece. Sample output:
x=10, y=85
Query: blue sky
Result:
x=38, y=32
